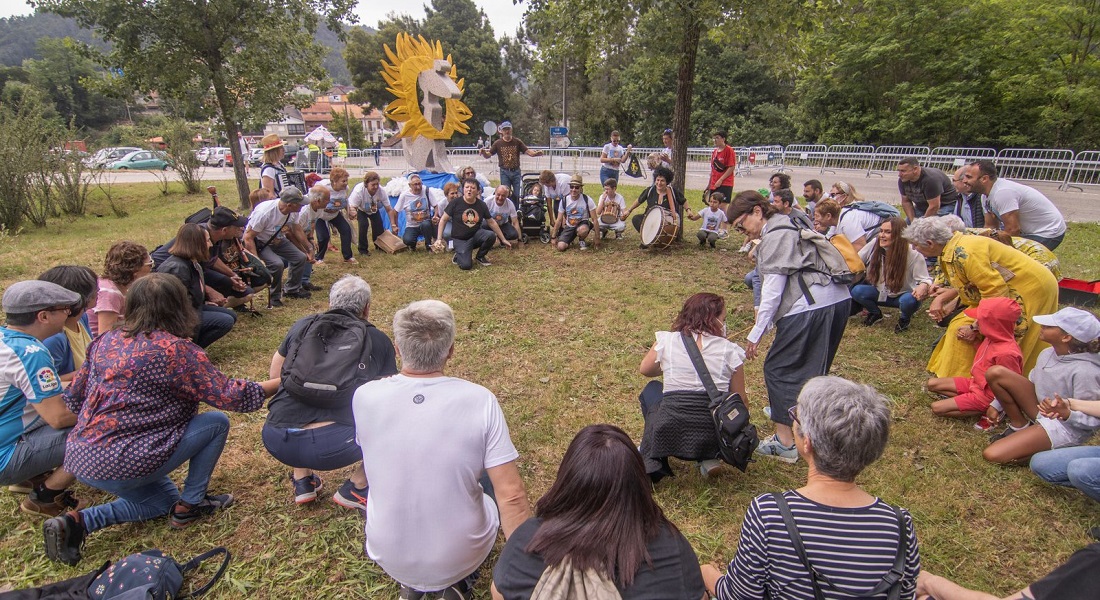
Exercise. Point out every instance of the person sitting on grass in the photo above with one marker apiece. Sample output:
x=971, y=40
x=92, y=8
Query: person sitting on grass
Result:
x=851, y=538
x=611, y=204
x=137, y=404
x=1069, y=368
x=601, y=490
x=714, y=219
x=309, y=434
x=897, y=276
x=575, y=215
x=34, y=421
x=1077, y=466
x=125, y=263
x=676, y=411
x=967, y=396
x=69, y=347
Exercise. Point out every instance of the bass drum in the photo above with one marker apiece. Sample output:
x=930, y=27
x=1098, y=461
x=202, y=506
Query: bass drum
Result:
x=659, y=228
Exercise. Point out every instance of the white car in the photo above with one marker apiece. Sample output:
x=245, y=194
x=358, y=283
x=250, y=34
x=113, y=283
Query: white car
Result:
x=217, y=156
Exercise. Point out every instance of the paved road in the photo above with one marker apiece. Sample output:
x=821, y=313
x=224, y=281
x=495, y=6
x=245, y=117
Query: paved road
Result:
x=1075, y=205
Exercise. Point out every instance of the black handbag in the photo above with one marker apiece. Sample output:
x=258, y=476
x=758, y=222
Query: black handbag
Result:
x=737, y=437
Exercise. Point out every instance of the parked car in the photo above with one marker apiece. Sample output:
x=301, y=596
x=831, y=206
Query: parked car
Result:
x=218, y=157
x=202, y=153
x=256, y=157
x=142, y=159
x=105, y=156
x=290, y=154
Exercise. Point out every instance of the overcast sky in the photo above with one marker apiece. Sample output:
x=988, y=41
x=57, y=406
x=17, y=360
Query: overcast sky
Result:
x=503, y=14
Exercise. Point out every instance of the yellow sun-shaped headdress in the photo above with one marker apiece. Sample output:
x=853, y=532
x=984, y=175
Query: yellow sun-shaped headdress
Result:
x=413, y=56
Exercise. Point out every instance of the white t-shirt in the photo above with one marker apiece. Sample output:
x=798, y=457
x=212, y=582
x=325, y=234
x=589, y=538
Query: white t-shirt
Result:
x=337, y=200
x=426, y=442
x=560, y=189
x=503, y=214
x=617, y=199
x=1037, y=214
x=577, y=210
x=359, y=199
x=612, y=151
x=721, y=356
x=266, y=219
x=712, y=219
x=855, y=223
x=417, y=208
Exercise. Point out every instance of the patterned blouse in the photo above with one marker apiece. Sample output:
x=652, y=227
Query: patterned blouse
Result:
x=134, y=397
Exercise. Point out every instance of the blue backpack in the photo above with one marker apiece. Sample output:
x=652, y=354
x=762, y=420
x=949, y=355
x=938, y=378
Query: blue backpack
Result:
x=882, y=210
x=152, y=575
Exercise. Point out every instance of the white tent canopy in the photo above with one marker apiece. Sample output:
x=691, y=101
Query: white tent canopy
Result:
x=321, y=135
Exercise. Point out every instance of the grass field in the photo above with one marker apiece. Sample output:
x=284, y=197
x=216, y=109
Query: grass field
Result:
x=558, y=337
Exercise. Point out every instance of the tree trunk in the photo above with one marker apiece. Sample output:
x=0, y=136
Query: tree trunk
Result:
x=228, y=110
x=685, y=85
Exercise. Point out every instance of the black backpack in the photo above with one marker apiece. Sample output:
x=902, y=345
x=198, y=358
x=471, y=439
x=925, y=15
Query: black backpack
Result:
x=737, y=436
x=329, y=360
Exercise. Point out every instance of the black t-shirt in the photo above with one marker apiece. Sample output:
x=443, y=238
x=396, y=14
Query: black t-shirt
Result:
x=1077, y=579
x=467, y=218
x=932, y=182
x=285, y=411
x=674, y=576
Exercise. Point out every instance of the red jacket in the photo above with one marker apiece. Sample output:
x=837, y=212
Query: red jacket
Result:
x=997, y=318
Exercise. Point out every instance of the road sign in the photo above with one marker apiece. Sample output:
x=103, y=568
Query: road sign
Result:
x=559, y=131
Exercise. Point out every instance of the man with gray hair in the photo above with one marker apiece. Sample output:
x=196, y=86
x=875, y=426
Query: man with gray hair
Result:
x=273, y=234
x=321, y=363
x=440, y=461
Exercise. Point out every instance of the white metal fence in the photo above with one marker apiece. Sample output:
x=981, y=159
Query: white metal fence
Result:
x=1063, y=167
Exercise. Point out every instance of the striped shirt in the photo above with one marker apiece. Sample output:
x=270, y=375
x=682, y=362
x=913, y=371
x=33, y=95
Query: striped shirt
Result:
x=852, y=547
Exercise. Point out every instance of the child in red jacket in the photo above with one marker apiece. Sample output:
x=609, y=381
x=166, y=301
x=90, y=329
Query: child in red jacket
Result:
x=967, y=396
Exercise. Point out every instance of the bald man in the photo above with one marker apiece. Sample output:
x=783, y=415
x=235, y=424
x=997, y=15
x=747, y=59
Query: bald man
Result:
x=504, y=213
x=969, y=206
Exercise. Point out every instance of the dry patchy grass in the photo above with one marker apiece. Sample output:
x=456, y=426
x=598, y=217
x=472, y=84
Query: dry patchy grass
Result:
x=558, y=337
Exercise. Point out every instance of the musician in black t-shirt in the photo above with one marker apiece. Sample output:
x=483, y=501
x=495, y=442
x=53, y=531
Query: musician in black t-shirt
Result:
x=467, y=217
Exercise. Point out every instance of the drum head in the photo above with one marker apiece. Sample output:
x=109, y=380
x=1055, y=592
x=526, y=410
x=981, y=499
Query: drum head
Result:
x=651, y=225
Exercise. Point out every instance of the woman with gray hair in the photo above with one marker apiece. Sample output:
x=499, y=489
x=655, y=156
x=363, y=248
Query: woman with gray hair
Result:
x=857, y=545
x=308, y=433
x=971, y=268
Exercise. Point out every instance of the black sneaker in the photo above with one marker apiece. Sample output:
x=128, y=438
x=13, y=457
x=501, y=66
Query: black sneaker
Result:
x=184, y=515
x=872, y=318
x=481, y=260
x=350, y=496
x=902, y=326
x=306, y=488
x=275, y=303
x=64, y=535
x=407, y=593
x=311, y=287
x=301, y=294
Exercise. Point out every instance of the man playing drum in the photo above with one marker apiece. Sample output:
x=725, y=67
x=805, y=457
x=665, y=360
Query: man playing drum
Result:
x=610, y=209
x=575, y=215
x=662, y=194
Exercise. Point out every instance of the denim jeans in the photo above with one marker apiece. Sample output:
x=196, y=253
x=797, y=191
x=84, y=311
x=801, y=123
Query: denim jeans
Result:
x=1076, y=466
x=867, y=296
x=154, y=495
x=513, y=178
x=38, y=450
x=322, y=449
x=755, y=283
x=1050, y=243
x=215, y=322
x=323, y=236
x=483, y=240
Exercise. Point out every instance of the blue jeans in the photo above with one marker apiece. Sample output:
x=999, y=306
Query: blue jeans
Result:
x=867, y=297
x=154, y=495
x=1076, y=466
x=608, y=173
x=322, y=449
x=754, y=283
x=38, y=450
x=216, y=322
x=513, y=178
x=1050, y=243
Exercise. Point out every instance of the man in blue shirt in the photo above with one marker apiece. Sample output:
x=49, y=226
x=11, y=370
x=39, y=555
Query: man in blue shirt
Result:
x=33, y=418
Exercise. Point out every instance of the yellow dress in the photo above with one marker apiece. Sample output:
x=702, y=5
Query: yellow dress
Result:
x=980, y=267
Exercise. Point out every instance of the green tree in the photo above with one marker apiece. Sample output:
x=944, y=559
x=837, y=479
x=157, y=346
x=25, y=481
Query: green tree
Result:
x=348, y=127
x=69, y=79
x=247, y=55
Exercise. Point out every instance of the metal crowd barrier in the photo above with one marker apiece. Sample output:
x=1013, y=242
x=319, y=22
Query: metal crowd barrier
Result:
x=1085, y=171
x=1034, y=164
x=885, y=158
x=805, y=155
x=851, y=157
x=949, y=159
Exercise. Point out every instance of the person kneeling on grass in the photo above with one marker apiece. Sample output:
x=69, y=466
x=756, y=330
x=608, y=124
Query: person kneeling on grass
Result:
x=307, y=428
x=136, y=399
x=1070, y=368
x=966, y=396
x=575, y=215
x=715, y=225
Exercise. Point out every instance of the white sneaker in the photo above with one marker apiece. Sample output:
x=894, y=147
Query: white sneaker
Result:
x=773, y=448
x=583, y=245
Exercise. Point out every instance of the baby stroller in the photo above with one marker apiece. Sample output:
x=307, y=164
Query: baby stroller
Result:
x=532, y=211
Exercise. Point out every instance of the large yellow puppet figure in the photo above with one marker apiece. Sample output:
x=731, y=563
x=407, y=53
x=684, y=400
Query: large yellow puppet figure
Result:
x=426, y=126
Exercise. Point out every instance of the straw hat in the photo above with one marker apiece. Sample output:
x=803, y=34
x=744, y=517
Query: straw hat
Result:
x=271, y=141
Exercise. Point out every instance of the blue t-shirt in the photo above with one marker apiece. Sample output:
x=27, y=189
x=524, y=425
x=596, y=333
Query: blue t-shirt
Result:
x=27, y=376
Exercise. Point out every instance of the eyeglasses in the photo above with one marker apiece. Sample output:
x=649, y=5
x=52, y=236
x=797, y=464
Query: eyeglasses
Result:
x=150, y=263
x=737, y=224
x=840, y=193
x=792, y=412
x=65, y=309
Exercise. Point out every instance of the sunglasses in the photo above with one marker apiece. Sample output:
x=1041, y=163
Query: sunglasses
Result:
x=574, y=186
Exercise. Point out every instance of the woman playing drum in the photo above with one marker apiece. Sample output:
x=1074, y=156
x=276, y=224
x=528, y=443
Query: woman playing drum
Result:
x=662, y=194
